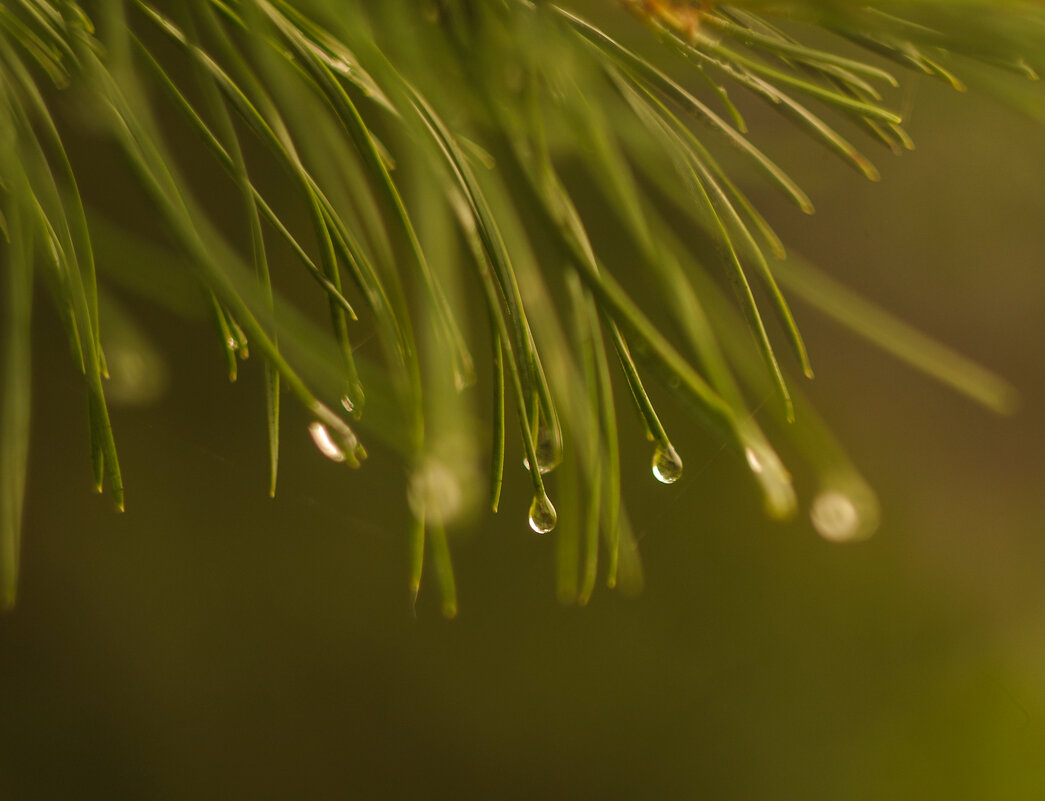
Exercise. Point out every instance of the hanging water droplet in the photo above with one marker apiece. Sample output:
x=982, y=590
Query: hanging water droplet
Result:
x=353, y=399
x=835, y=517
x=549, y=451
x=667, y=465
x=325, y=443
x=542, y=514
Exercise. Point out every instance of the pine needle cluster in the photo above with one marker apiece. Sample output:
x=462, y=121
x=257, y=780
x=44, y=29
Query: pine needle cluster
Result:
x=431, y=155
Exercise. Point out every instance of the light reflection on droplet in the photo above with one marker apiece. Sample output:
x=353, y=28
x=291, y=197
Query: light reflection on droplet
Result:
x=753, y=460
x=667, y=465
x=835, y=516
x=325, y=442
x=346, y=402
x=542, y=515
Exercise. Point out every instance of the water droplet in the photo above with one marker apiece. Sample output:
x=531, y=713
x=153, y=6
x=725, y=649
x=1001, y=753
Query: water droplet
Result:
x=549, y=451
x=231, y=344
x=667, y=465
x=353, y=399
x=464, y=377
x=835, y=517
x=325, y=443
x=752, y=460
x=542, y=514
x=137, y=375
x=778, y=494
x=435, y=492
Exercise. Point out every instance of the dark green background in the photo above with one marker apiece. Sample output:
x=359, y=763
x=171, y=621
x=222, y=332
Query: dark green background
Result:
x=213, y=643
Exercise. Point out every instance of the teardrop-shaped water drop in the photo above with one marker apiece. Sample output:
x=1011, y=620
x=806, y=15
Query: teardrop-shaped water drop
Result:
x=542, y=514
x=667, y=465
x=353, y=399
x=549, y=451
x=835, y=517
x=325, y=443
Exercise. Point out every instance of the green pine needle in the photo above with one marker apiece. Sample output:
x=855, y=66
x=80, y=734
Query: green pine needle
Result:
x=413, y=161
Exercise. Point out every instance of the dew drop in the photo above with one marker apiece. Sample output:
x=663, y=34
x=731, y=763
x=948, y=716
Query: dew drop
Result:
x=667, y=465
x=753, y=461
x=231, y=344
x=777, y=491
x=464, y=378
x=325, y=443
x=835, y=517
x=549, y=451
x=435, y=492
x=542, y=514
x=353, y=398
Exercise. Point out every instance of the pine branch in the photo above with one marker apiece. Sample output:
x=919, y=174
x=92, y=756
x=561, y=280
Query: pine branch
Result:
x=427, y=148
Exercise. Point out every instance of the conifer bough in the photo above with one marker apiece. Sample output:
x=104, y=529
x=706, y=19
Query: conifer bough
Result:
x=421, y=149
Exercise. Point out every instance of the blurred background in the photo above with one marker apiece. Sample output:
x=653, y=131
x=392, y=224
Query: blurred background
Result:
x=215, y=643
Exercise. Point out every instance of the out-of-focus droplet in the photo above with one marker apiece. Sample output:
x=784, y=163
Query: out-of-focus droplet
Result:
x=464, y=377
x=137, y=375
x=835, y=517
x=346, y=402
x=778, y=493
x=325, y=443
x=435, y=492
x=542, y=514
x=752, y=460
x=667, y=465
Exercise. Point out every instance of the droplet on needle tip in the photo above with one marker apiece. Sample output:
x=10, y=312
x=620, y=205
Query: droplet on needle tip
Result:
x=542, y=515
x=667, y=465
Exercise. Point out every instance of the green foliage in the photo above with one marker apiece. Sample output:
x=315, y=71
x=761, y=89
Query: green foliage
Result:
x=440, y=153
